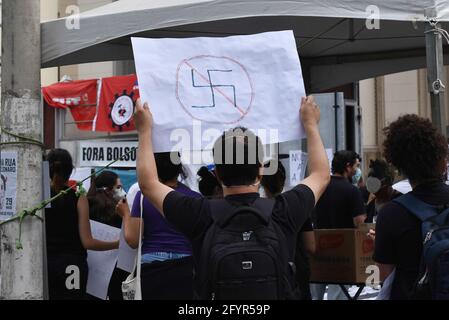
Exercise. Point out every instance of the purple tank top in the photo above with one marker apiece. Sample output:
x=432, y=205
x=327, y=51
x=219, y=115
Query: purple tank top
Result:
x=158, y=234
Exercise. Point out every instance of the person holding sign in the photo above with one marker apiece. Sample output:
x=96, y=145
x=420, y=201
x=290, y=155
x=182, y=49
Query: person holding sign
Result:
x=196, y=217
x=68, y=234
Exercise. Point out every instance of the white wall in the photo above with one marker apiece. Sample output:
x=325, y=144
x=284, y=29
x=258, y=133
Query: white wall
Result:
x=368, y=105
x=401, y=95
x=89, y=70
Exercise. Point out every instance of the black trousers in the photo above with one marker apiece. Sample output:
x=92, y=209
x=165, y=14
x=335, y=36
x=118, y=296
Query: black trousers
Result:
x=168, y=280
x=115, y=285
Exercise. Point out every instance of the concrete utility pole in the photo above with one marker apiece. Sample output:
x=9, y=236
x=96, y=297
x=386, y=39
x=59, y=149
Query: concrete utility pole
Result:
x=22, y=270
x=435, y=75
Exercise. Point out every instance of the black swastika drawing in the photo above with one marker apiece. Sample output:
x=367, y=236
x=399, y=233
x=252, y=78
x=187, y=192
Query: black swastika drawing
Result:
x=214, y=89
x=211, y=85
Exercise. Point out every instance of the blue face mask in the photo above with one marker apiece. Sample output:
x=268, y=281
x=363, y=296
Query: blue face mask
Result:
x=356, y=178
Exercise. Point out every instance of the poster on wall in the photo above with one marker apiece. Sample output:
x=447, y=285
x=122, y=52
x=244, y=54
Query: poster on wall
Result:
x=8, y=184
x=298, y=166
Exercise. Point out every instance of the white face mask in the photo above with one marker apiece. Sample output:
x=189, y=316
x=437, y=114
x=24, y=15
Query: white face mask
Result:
x=262, y=193
x=119, y=194
x=373, y=184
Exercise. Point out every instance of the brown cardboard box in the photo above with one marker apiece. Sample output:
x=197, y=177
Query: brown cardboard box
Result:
x=342, y=255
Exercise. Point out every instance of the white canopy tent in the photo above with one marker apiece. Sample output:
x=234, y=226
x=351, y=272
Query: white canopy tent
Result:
x=332, y=38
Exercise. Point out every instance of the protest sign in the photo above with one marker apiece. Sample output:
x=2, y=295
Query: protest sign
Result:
x=253, y=81
x=101, y=263
x=298, y=165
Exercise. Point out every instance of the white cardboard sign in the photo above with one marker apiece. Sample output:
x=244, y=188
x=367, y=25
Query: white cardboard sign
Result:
x=298, y=165
x=253, y=81
x=101, y=263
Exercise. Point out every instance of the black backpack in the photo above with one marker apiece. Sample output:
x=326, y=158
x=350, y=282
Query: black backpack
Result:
x=433, y=279
x=244, y=255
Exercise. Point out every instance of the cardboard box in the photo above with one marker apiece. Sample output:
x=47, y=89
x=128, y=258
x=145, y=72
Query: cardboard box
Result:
x=342, y=255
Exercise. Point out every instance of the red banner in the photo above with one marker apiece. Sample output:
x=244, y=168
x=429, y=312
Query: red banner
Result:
x=78, y=96
x=117, y=102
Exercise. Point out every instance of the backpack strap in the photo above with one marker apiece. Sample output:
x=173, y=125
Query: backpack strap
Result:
x=417, y=207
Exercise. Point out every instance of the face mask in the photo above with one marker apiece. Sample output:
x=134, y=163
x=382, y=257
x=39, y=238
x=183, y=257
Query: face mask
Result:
x=373, y=184
x=262, y=193
x=119, y=194
x=357, y=176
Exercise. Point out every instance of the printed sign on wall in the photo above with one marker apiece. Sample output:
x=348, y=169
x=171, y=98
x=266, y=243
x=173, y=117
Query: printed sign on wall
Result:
x=8, y=184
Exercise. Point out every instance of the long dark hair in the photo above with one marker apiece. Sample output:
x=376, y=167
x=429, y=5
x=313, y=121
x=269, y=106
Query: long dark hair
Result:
x=101, y=202
x=208, y=183
x=274, y=184
x=168, y=170
x=382, y=171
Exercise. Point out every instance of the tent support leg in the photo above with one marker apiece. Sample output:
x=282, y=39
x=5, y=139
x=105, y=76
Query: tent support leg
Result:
x=435, y=76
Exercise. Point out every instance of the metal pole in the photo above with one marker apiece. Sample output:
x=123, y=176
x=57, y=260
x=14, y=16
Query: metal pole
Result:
x=435, y=75
x=22, y=270
x=336, y=107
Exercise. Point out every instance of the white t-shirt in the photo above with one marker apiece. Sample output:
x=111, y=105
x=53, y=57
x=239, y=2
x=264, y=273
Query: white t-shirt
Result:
x=132, y=195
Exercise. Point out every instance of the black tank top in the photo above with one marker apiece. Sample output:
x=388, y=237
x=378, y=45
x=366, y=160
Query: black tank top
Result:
x=61, y=222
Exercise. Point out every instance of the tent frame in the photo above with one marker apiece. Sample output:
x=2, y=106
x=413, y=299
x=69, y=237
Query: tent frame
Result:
x=435, y=69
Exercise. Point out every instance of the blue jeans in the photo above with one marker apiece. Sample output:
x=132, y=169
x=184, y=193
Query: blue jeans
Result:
x=162, y=256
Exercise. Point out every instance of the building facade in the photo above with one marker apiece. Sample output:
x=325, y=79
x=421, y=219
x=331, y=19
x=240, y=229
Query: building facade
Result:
x=385, y=98
x=379, y=101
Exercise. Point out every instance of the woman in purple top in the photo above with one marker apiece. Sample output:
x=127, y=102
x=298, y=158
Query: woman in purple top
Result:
x=167, y=262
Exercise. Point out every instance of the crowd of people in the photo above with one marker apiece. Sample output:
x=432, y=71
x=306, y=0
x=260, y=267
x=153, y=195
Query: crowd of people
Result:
x=229, y=242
